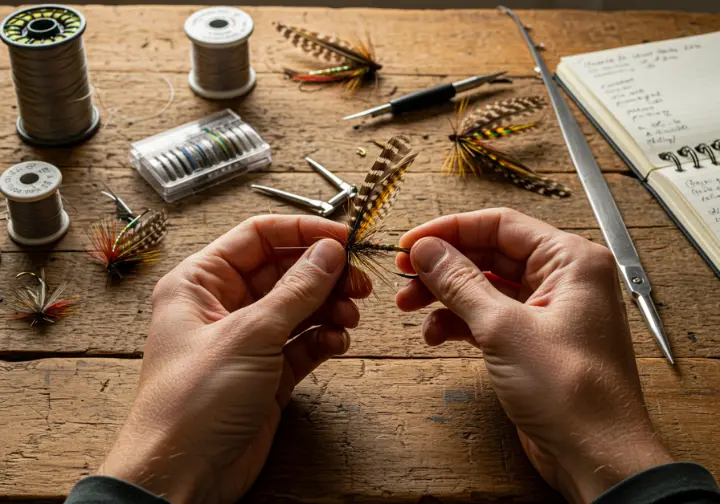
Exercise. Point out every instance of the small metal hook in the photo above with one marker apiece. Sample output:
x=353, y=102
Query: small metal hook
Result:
x=123, y=211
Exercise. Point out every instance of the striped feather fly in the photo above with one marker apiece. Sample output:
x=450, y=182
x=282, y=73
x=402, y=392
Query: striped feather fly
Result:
x=125, y=247
x=351, y=63
x=473, y=132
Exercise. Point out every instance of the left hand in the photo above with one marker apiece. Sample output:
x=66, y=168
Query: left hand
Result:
x=228, y=342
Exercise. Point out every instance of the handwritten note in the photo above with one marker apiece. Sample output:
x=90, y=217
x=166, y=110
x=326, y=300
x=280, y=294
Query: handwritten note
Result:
x=664, y=93
x=701, y=187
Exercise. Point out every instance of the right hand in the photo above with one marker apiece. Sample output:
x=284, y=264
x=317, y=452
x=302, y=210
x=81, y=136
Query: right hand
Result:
x=558, y=349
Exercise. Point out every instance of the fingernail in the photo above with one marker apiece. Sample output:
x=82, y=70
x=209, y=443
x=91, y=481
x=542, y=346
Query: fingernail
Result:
x=427, y=253
x=346, y=341
x=334, y=341
x=326, y=255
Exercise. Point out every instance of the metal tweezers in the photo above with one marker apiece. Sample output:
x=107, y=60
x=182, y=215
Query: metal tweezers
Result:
x=322, y=208
x=601, y=200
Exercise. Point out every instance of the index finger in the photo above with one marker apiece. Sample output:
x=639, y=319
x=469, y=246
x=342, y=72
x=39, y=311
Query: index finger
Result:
x=270, y=237
x=498, y=239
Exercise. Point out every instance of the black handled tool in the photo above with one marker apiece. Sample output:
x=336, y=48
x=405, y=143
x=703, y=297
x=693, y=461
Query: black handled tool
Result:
x=427, y=97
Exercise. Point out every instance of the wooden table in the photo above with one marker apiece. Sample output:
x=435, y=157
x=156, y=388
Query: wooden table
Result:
x=393, y=419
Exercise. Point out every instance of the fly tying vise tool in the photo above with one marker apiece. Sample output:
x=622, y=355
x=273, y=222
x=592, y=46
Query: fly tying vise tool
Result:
x=319, y=207
x=606, y=211
x=429, y=97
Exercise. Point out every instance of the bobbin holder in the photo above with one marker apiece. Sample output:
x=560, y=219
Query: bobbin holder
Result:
x=200, y=154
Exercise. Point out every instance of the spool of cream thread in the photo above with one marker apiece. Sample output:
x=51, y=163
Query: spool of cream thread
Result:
x=221, y=34
x=35, y=212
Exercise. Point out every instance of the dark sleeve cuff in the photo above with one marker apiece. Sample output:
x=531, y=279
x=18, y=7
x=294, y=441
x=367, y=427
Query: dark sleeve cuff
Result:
x=107, y=490
x=680, y=482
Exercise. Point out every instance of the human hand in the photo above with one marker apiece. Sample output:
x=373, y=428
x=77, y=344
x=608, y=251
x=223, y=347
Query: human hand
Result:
x=226, y=346
x=558, y=349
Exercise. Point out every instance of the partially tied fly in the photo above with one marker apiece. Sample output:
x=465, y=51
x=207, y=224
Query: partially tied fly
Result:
x=371, y=205
x=352, y=62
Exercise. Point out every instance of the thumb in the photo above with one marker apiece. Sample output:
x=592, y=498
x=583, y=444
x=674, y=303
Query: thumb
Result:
x=305, y=286
x=456, y=281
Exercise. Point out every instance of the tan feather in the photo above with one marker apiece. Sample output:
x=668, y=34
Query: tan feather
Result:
x=497, y=114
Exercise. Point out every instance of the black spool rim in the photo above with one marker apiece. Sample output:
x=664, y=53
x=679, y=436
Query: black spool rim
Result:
x=65, y=142
x=69, y=25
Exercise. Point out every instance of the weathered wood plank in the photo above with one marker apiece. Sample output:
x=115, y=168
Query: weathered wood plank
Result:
x=200, y=219
x=367, y=429
x=683, y=286
x=407, y=41
x=295, y=123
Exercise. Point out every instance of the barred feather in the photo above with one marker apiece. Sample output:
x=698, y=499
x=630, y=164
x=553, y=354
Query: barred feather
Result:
x=496, y=114
x=394, y=151
x=352, y=62
x=382, y=199
x=370, y=207
x=519, y=174
x=324, y=47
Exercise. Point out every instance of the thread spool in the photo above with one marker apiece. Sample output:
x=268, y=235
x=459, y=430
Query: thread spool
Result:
x=50, y=73
x=219, y=52
x=35, y=212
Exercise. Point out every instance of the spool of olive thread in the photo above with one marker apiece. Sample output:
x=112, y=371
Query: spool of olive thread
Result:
x=35, y=211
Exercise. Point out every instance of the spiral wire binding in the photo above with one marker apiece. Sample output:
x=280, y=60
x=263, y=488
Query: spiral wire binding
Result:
x=689, y=152
x=705, y=149
x=50, y=72
x=686, y=151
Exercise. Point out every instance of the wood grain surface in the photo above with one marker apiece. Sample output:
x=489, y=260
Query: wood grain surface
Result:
x=393, y=419
x=376, y=429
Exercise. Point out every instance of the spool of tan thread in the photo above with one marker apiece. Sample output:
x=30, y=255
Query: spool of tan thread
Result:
x=35, y=211
x=219, y=52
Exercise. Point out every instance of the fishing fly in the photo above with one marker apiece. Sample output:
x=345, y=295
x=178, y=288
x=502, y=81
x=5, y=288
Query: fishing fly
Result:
x=125, y=243
x=369, y=208
x=352, y=63
x=37, y=304
x=472, y=154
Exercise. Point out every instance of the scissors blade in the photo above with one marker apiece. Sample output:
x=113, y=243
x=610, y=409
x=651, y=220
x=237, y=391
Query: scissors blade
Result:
x=317, y=206
x=330, y=176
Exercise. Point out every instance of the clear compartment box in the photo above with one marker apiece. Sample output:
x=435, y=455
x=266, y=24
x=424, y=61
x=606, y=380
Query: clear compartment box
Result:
x=200, y=154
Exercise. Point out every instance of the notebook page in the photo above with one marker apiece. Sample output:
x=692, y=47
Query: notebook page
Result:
x=701, y=187
x=665, y=94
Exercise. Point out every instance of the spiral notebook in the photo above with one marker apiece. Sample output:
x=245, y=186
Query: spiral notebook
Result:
x=658, y=105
